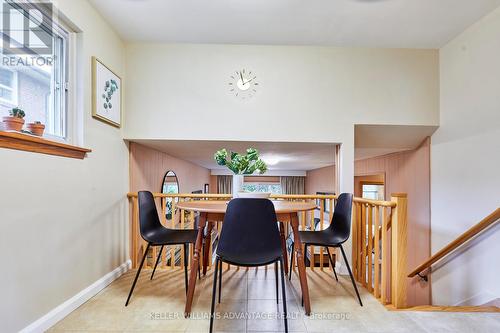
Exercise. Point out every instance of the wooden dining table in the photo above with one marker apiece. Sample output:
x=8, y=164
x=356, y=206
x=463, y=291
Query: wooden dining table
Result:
x=213, y=211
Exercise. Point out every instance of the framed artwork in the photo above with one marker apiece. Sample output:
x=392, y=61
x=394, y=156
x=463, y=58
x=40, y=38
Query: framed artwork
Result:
x=106, y=94
x=206, y=189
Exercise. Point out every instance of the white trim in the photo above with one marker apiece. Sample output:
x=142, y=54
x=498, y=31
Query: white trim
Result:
x=226, y=172
x=50, y=319
x=478, y=299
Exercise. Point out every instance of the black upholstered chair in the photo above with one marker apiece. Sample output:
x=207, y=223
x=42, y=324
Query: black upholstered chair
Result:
x=153, y=232
x=249, y=237
x=335, y=235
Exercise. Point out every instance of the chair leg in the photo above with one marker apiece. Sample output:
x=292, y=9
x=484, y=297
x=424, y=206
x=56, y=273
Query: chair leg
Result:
x=186, y=267
x=214, y=290
x=332, y=263
x=305, y=254
x=199, y=263
x=305, y=257
x=291, y=262
x=276, y=277
x=157, y=261
x=220, y=280
x=350, y=274
x=137, y=274
x=284, y=294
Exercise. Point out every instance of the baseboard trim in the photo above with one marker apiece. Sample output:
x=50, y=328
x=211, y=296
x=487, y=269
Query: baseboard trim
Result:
x=55, y=315
x=438, y=308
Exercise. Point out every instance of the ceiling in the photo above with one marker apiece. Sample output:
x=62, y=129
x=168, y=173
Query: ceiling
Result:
x=377, y=140
x=278, y=155
x=358, y=23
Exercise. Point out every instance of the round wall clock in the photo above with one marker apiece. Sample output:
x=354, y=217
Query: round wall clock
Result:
x=243, y=84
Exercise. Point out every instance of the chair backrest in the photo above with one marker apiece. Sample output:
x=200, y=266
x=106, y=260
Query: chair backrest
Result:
x=341, y=220
x=250, y=230
x=148, y=215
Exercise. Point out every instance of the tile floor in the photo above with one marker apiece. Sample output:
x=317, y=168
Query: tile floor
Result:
x=249, y=305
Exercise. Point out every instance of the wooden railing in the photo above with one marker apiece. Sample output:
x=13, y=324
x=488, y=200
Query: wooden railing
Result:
x=379, y=248
x=378, y=238
x=452, y=246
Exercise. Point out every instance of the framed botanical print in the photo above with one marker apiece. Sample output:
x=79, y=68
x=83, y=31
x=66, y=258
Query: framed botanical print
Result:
x=106, y=94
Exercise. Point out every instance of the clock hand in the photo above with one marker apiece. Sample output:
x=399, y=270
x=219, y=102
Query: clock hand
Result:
x=241, y=76
x=250, y=80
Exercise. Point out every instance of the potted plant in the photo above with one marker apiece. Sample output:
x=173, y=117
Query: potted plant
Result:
x=241, y=165
x=36, y=128
x=15, y=121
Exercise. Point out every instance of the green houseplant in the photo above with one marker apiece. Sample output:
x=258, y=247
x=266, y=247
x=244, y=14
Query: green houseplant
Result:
x=15, y=120
x=241, y=165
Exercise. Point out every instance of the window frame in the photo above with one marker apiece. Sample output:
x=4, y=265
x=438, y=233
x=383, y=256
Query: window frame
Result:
x=368, y=183
x=63, y=85
x=61, y=76
x=71, y=144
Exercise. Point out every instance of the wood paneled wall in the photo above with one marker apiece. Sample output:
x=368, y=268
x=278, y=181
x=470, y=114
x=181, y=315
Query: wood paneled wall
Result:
x=148, y=167
x=321, y=180
x=409, y=172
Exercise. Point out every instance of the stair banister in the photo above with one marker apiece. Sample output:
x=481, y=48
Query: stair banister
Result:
x=463, y=238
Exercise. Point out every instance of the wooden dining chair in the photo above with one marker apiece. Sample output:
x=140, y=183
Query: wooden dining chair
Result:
x=337, y=233
x=153, y=232
x=249, y=237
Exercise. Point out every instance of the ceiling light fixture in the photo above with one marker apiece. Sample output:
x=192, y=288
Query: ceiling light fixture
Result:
x=271, y=160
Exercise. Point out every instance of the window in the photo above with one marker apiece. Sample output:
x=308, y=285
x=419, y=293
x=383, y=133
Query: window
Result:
x=37, y=83
x=373, y=191
x=8, y=86
x=274, y=188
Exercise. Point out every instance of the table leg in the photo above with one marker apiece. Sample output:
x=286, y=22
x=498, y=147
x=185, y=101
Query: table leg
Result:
x=195, y=264
x=294, y=219
x=283, y=246
x=206, y=249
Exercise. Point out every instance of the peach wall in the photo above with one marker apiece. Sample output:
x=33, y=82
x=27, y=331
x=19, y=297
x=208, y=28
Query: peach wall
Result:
x=320, y=180
x=213, y=184
x=409, y=172
x=148, y=167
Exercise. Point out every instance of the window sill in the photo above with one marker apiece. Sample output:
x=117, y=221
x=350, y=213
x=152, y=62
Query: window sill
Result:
x=36, y=144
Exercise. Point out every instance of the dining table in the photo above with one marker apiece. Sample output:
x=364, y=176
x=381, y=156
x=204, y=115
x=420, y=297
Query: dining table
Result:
x=212, y=211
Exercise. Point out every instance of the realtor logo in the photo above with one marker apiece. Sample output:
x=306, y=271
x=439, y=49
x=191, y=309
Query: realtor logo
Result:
x=25, y=29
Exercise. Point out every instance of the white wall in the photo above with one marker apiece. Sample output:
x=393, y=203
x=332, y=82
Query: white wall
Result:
x=466, y=162
x=63, y=221
x=306, y=94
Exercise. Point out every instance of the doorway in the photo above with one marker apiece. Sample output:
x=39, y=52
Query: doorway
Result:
x=370, y=186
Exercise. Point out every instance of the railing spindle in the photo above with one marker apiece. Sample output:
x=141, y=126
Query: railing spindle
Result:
x=377, y=252
x=370, y=247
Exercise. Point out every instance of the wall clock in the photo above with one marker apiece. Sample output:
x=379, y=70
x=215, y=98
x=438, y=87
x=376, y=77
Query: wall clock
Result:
x=243, y=84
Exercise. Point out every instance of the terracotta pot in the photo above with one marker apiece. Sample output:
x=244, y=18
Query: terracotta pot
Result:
x=36, y=129
x=13, y=123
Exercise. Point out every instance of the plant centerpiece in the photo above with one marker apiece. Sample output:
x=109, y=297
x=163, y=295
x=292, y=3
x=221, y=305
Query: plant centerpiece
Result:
x=241, y=165
x=15, y=120
x=36, y=128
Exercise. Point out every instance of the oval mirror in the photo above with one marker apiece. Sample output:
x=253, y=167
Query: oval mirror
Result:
x=170, y=185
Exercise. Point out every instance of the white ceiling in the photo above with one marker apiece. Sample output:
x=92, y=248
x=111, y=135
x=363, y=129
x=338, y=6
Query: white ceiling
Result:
x=377, y=140
x=288, y=155
x=359, y=23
